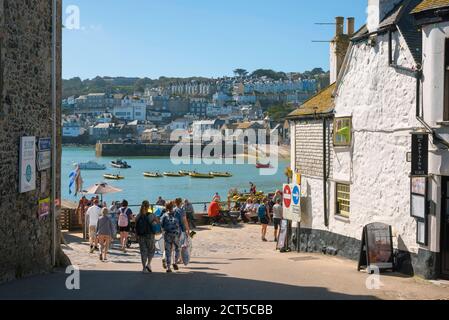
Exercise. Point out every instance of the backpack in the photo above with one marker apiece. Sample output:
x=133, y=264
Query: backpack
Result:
x=142, y=226
x=123, y=218
x=262, y=211
x=170, y=223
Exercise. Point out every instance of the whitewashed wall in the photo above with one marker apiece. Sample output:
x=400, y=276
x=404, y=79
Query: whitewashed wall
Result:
x=381, y=101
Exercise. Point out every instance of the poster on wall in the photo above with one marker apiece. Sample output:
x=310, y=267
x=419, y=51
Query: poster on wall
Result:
x=418, y=201
x=282, y=240
x=44, y=208
x=27, y=164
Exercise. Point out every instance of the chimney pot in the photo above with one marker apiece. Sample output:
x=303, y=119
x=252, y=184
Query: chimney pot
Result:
x=339, y=22
x=351, y=26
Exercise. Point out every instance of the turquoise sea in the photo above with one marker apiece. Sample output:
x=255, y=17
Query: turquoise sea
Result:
x=137, y=188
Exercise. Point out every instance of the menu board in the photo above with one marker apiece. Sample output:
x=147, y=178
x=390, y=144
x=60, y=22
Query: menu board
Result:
x=377, y=247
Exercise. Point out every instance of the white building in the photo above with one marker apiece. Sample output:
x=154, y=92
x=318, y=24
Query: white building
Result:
x=364, y=123
x=131, y=108
x=179, y=124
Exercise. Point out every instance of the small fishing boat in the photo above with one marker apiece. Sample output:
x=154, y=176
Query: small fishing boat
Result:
x=152, y=175
x=201, y=175
x=90, y=165
x=263, y=166
x=172, y=174
x=120, y=164
x=113, y=176
x=221, y=174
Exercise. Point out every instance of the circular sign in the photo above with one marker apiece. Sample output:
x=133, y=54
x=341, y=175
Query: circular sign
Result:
x=287, y=196
x=295, y=195
x=28, y=173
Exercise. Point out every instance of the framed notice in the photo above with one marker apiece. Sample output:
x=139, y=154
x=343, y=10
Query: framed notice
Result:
x=27, y=164
x=418, y=197
x=421, y=232
x=420, y=154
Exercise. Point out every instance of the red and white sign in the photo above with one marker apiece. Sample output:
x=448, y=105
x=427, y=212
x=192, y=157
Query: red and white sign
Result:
x=287, y=196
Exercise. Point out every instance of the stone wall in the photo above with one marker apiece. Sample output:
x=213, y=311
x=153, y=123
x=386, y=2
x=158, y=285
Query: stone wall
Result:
x=25, y=110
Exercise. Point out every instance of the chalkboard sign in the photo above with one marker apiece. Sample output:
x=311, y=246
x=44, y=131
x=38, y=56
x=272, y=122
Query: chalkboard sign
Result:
x=377, y=247
x=283, y=235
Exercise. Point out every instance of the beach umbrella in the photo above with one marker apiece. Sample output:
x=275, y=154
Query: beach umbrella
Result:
x=101, y=189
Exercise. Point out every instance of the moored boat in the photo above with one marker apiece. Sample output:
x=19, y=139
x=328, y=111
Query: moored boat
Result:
x=201, y=175
x=172, y=174
x=263, y=166
x=185, y=173
x=221, y=174
x=152, y=175
x=90, y=165
x=113, y=176
x=120, y=164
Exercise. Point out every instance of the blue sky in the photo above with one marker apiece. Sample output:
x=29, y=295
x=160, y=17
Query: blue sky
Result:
x=153, y=38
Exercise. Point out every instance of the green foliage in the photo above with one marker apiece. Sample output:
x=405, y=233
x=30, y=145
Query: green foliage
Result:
x=269, y=74
x=280, y=112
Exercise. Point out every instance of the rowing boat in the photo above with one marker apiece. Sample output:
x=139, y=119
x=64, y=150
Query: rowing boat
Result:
x=113, y=177
x=221, y=174
x=184, y=173
x=172, y=174
x=152, y=175
x=201, y=175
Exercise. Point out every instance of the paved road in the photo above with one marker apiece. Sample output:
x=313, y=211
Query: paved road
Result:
x=228, y=264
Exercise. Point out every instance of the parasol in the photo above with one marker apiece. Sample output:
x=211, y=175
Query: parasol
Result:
x=101, y=189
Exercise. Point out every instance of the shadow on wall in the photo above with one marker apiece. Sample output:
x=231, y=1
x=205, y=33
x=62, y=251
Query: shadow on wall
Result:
x=403, y=259
x=117, y=285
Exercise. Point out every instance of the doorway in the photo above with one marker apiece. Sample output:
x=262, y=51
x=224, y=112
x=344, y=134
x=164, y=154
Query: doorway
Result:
x=445, y=228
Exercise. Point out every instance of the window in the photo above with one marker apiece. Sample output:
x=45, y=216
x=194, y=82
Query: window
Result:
x=343, y=199
x=342, y=131
x=446, y=83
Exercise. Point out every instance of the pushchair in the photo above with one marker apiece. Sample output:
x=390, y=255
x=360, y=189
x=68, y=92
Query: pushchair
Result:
x=132, y=235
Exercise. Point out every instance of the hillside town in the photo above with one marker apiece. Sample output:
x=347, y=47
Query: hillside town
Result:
x=151, y=116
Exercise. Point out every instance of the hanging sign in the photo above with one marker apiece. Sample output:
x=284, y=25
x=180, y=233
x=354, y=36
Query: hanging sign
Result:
x=27, y=165
x=420, y=154
x=377, y=248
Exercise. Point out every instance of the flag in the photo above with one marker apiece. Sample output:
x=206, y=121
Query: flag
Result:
x=74, y=176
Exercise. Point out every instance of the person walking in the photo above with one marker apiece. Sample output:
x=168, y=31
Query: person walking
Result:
x=104, y=233
x=93, y=214
x=264, y=219
x=145, y=235
x=124, y=223
x=277, y=218
x=171, y=224
x=190, y=212
x=114, y=211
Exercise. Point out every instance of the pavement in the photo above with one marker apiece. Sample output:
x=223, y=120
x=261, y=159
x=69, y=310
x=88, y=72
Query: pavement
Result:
x=227, y=264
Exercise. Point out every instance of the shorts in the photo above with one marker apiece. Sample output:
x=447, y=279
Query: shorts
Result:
x=263, y=220
x=123, y=229
x=277, y=223
x=92, y=232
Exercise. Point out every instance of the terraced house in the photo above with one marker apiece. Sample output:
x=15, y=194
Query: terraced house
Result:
x=355, y=144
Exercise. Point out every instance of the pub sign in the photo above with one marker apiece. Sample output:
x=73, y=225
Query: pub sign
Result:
x=420, y=154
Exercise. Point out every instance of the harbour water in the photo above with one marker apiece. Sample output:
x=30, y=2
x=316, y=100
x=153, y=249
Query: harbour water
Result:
x=137, y=188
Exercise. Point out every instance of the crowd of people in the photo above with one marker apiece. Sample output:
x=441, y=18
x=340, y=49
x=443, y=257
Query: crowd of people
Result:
x=174, y=220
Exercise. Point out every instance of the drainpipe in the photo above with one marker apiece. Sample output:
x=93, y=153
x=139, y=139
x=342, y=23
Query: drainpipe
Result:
x=417, y=73
x=326, y=217
x=54, y=130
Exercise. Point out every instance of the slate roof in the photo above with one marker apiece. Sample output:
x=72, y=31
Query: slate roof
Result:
x=401, y=17
x=320, y=104
x=430, y=5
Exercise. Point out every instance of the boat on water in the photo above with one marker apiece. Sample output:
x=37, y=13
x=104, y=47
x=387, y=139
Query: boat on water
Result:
x=113, y=176
x=152, y=175
x=173, y=174
x=120, y=164
x=185, y=173
x=221, y=174
x=263, y=166
x=201, y=175
x=90, y=165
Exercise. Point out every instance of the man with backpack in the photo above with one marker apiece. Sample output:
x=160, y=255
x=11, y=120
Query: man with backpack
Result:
x=147, y=225
x=124, y=223
x=171, y=224
x=264, y=218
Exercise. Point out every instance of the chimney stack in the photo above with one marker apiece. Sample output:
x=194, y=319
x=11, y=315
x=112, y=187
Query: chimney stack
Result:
x=339, y=22
x=351, y=26
x=339, y=46
x=377, y=11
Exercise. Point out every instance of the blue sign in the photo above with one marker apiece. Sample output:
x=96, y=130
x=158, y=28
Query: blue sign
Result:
x=45, y=144
x=296, y=194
